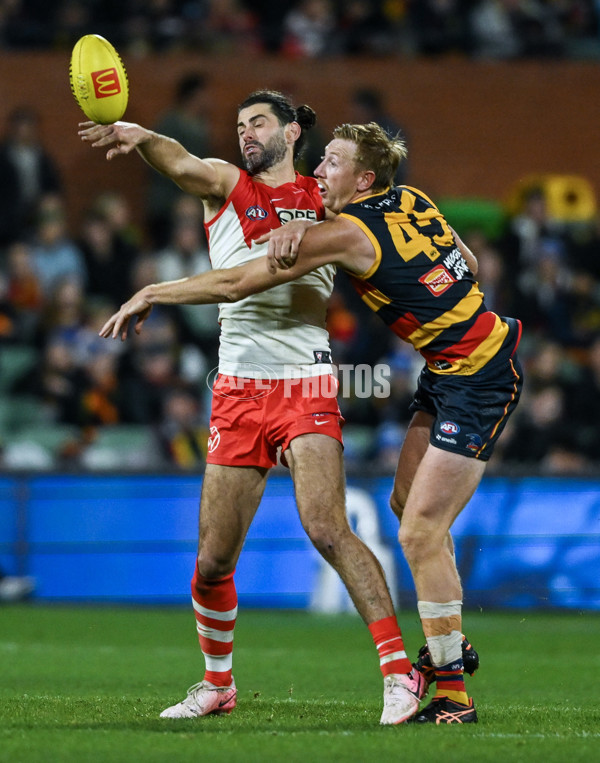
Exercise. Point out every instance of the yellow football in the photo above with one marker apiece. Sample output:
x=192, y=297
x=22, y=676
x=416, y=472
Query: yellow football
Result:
x=98, y=79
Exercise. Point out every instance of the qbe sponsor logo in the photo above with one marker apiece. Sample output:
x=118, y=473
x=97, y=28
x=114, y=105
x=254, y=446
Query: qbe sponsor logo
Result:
x=287, y=215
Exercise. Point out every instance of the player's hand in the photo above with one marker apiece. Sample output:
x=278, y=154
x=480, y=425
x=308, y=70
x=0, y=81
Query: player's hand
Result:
x=122, y=136
x=118, y=324
x=284, y=243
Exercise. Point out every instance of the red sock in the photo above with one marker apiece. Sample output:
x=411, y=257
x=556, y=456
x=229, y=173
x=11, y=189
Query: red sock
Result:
x=215, y=608
x=388, y=640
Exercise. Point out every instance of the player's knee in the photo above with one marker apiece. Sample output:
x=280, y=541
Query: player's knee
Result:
x=397, y=504
x=324, y=539
x=416, y=544
x=212, y=567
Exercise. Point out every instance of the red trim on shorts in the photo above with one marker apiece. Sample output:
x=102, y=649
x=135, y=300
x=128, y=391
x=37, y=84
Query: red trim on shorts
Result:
x=520, y=332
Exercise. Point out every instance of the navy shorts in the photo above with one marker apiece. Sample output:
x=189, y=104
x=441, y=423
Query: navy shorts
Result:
x=470, y=412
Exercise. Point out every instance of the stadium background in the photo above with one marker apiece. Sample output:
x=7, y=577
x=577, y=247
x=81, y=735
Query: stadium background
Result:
x=102, y=505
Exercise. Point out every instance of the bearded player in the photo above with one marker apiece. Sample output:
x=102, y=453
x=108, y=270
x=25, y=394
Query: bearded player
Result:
x=254, y=413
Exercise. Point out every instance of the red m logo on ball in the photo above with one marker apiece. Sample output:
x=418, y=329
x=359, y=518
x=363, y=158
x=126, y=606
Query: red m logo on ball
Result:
x=106, y=83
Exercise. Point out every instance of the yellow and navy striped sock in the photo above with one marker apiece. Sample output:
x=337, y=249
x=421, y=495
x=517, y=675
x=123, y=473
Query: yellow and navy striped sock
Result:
x=451, y=683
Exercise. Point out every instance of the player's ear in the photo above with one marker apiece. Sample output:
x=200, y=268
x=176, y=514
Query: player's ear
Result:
x=365, y=180
x=293, y=130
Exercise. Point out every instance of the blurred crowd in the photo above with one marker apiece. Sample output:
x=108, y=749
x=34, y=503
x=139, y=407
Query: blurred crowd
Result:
x=495, y=29
x=59, y=285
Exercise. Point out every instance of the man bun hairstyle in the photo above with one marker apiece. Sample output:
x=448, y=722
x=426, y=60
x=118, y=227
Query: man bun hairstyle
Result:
x=376, y=150
x=282, y=107
x=306, y=117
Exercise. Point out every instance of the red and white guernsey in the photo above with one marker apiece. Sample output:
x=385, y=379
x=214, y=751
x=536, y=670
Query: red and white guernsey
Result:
x=281, y=332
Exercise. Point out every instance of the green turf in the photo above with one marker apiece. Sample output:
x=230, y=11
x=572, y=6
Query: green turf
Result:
x=87, y=684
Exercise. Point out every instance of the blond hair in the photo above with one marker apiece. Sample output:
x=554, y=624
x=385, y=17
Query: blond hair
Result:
x=375, y=150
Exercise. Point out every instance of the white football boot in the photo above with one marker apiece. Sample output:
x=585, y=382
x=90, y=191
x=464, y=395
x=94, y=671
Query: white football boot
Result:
x=204, y=699
x=402, y=694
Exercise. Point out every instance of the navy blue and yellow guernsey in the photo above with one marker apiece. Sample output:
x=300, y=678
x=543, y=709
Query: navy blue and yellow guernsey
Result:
x=420, y=284
x=422, y=288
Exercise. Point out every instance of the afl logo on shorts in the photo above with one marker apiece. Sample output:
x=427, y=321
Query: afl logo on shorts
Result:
x=256, y=213
x=214, y=439
x=449, y=427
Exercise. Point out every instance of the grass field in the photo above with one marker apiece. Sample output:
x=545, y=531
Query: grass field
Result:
x=87, y=684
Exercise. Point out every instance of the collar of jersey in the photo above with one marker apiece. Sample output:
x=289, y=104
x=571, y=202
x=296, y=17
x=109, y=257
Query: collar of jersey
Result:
x=370, y=196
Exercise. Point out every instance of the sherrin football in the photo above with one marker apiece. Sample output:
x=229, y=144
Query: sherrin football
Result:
x=98, y=79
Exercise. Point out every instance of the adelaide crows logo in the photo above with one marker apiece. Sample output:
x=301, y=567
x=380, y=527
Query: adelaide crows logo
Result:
x=475, y=442
x=256, y=213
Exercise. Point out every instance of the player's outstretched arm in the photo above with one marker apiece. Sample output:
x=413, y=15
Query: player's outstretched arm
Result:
x=201, y=177
x=232, y=284
x=137, y=307
x=338, y=242
x=227, y=285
